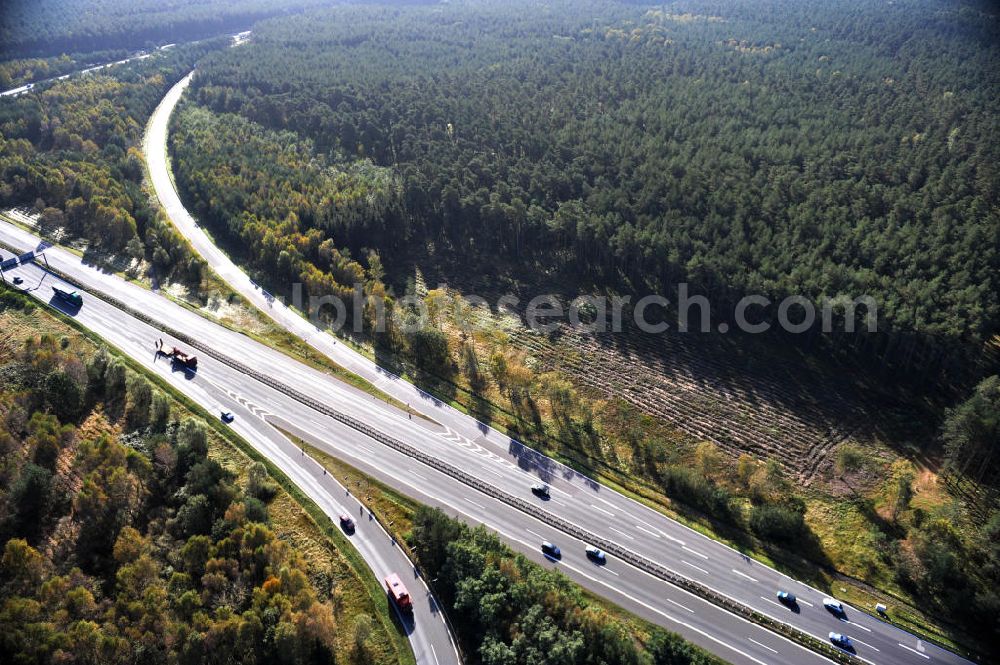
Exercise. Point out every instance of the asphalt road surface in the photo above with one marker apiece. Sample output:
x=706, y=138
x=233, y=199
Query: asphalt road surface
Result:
x=426, y=629
x=576, y=497
x=507, y=465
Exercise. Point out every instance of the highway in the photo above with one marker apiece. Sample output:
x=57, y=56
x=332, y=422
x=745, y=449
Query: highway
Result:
x=513, y=466
x=217, y=387
x=426, y=630
x=14, y=92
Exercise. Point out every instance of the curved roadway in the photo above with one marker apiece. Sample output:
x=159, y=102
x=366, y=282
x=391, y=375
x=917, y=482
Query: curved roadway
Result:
x=480, y=449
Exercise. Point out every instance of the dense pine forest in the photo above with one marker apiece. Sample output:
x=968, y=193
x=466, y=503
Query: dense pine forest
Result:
x=54, y=27
x=775, y=148
x=771, y=147
x=72, y=151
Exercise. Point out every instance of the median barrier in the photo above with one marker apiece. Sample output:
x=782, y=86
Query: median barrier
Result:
x=642, y=563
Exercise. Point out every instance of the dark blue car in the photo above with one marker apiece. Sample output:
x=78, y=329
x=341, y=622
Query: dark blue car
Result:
x=787, y=598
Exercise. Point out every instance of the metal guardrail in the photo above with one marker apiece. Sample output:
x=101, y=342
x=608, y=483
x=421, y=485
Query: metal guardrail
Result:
x=642, y=563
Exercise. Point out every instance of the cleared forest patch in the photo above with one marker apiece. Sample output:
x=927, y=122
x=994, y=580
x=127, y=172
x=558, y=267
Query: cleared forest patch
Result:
x=778, y=412
x=736, y=392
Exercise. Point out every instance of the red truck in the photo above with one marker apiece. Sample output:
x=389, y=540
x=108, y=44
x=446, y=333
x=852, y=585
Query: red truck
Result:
x=398, y=591
x=175, y=354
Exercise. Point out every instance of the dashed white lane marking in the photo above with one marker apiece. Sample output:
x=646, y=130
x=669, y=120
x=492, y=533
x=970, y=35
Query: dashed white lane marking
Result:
x=434, y=653
x=606, y=512
x=683, y=607
x=414, y=473
x=695, y=567
x=556, y=490
x=773, y=602
x=659, y=611
x=914, y=651
x=762, y=645
x=608, y=503
x=474, y=503
x=860, y=626
x=854, y=653
x=621, y=533
x=743, y=575
x=806, y=602
x=854, y=639
x=657, y=531
x=534, y=534
x=696, y=553
x=655, y=535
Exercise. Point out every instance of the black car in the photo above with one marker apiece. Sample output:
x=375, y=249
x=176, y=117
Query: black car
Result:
x=551, y=550
x=228, y=417
x=18, y=280
x=347, y=523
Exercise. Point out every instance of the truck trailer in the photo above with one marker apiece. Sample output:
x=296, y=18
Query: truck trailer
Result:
x=397, y=591
x=71, y=297
x=178, y=356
